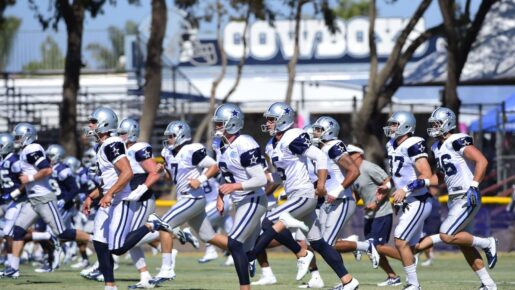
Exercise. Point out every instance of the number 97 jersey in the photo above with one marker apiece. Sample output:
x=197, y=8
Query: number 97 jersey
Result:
x=402, y=158
x=450, y=162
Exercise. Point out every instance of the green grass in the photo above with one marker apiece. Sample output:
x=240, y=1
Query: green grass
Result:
x=449, y=271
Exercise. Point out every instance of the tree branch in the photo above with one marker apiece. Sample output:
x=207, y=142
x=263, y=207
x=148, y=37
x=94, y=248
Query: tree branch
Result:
x=372, y=14
x=401, y=40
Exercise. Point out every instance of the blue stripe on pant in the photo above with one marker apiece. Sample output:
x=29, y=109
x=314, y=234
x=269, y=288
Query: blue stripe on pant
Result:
x=288, y=207
x=246, y=218
x=341, y=218
x=414, y=221
x=178, y=209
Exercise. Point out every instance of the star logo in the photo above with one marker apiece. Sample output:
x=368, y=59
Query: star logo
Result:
x=422, y=147
x=287, y=111
x=466, y=142
x=253, y=160
x=116, y=151
x=146, y=154
x=307, y=142
x=235, y=113
x=331, y=123
x=341, y=147
x=180, y=127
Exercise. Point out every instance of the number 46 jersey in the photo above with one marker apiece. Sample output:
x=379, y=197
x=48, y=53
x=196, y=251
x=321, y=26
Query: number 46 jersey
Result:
x=402, y=160
x=449, y=158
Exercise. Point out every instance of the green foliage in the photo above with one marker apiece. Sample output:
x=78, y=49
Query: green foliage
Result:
x=109, y=57
x=51, y=57
x=8, y=29
x=346, y=9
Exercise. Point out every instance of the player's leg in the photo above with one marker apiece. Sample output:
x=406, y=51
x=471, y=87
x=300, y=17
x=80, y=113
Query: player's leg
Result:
x=379, y=233
x=478, y=266
x=26, y=218
x=246, y=224
x=101, y=244
x=453, y=231
x=407, y=232
x=328, y=253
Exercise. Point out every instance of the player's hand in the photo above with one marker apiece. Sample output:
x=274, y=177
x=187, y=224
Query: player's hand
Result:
x=160, y=168
x=24, y=179
x=220, y=206
x=473, y=196
x=106, y=200
x=371, y=206
x=321, y=191
x=60, y=204
x=86, y=207
x=194, y=183
x=329, y=198
x=227, y=188
x=382, y=190
x=398, y=196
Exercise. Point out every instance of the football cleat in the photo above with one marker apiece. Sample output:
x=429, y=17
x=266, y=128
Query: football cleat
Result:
x=158, y=224
x=11, y=273
x=46, y=268
x=291, y=222
x=411, y=287
x=373, y=254
x=142, y=285
x=163, y=276
x=303, y=265
x=209, y=256
x=490, y=287
x=228, y=262
x=190, y=238
x=390, y=281
x=491, y=252
x=357, y=255
x=351, y=285
x=314, y=282
x=80, y=265
x=252, y=268
x=265, y=280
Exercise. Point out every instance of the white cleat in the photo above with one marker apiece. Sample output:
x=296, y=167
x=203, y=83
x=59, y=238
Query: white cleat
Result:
x=291, y=222
x=489, y=287
x=303, y=265
x=143, y=284
x=390, y=281
x=352, y=285
x=80, y=265
x=265, y=280
x=411, y=287
x=163, y=275
x=373, y=254
x=229, y=261
x=209, y=256
x=314, y=282
x=427, y=263
x=491, y=252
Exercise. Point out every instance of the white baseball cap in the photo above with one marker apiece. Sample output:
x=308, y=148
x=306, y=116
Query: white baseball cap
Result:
x=354, y=149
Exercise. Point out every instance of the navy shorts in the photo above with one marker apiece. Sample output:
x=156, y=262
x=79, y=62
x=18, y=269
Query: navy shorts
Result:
x=379, y=229
x=431, y=226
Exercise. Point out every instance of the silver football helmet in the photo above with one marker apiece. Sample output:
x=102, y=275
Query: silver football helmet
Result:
x=442, y=120
x=73, y=163
x=6, y=144
x=55, y=153
x=405, y=122
x=131, y=128
x=89, y=158
x=24, y=134
x=106, y=120
x=328, y=127
x=284, y=117
x=178, y=129
x=231, y=116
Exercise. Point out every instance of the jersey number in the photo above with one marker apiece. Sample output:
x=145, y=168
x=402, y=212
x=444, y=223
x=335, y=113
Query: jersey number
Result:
x=175, y=170
x=400, y=161
x=448, y=168
x=6, y=180
x=280, y=170
x=55, y=186
x=228, y=177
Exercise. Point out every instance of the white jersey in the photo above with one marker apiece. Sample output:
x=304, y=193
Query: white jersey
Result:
x=449, y=159
x=335, y=149
x=402, y=161
x=183, y=166
x=210, y=187
x=33, y=159
x=289, y=161
x=109, y=152
x=232, y=160
x=137, y=153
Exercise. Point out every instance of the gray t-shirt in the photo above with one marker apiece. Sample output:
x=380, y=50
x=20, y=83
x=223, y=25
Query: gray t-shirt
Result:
x=366, y=185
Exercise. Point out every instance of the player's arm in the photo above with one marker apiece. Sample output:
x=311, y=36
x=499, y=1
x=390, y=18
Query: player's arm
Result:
x=38, y=160
x=320, y=158
x=351, y=170
x=473, y=154
x=202, y=160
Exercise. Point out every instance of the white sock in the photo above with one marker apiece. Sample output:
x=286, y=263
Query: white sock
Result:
x=145, y=276
x=15, y=262
x=362, y=246
x=267, y=271
x=40, y=236
x=436, y=239
x=480, y=242
x=9, y=258
x=138, y=257
x=485, y=277
x=174, y=255
x=167, y=260
x=411, y=273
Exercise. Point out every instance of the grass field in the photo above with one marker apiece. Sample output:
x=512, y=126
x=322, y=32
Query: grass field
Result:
x=449, y=271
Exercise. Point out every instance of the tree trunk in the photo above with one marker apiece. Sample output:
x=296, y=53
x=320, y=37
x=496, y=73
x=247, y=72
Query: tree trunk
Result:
x=292, y=64
x=206, y=125
x=74, y=19
x=153, y=69
x=382, y=84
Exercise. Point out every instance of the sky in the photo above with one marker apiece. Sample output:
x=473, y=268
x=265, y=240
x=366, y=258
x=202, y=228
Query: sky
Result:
x=120, y=13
